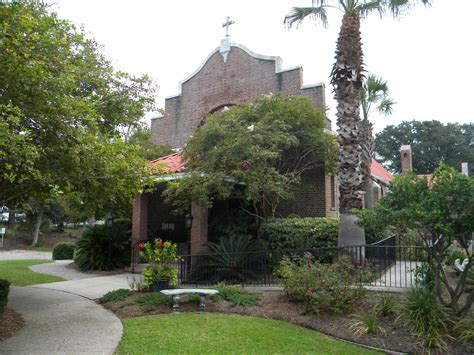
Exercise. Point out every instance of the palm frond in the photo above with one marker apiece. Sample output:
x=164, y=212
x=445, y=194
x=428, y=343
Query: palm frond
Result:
x=367, y=8
x=386, y=107
x=298, y=14
x=401, y=7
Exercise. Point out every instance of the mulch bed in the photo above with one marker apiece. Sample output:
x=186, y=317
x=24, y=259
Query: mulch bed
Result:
x=10, y=323
x=275, y=305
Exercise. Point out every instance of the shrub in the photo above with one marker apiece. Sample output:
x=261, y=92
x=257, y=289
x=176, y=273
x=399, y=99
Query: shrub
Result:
x=465, y=328
x=236, y=296
x=63, y=251
x=116, y=295
x=103, y=248
x=366, y=323
x=151, y=301
x=385, y=306
x=453, y=253
x=232, y=259
x=426, y=319
x=424, y=276
x=4, y=290
x=300, y=233
x=332, y=287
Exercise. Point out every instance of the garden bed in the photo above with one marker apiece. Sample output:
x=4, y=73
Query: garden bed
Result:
x=10, y=323
x=275, y=305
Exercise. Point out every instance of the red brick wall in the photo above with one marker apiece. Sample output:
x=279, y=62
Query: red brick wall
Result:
x=140, y=217
x=312, y=199
x=242, y=78
x=199, y=231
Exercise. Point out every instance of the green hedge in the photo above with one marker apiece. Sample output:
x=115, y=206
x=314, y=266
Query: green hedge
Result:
x=4, y=289
x=300, y=233
x=63, y=251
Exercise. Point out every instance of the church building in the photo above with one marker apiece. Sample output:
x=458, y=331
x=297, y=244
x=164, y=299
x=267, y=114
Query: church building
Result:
x=231, y=74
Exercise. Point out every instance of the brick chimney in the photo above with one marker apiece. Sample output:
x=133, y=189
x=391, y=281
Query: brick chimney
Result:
x=405, y=158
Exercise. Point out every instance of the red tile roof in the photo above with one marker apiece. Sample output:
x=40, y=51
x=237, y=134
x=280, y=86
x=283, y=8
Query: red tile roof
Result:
x=379, y=172
x=173, y=163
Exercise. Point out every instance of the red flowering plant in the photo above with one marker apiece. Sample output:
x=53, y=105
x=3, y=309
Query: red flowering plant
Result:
x=161, y=257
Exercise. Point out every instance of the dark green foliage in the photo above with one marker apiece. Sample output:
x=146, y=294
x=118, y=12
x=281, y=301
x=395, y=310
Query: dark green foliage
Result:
x=300, y=233
x=236, y=296
x=265, y=146
x=116, y=295
x=232, y=259
x=385, y=306
x=150, y=301
x=451, y=254
x=424, y=276
x=375, y=228
x=432, y=142
x=426, y=319
x=332, y=287
x=4, y=289
x=63, y=251
x=103, y=248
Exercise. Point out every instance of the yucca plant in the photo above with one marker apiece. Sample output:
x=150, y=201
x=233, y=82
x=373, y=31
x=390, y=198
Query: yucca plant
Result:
x=425, y=317
x=385, y=306
x=366, y=323
x=231, y=259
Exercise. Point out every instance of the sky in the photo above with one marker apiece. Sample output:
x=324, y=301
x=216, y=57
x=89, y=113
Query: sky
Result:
x=425, y=56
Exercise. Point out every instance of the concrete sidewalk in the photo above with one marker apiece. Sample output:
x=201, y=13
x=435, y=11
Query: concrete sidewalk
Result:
x=18, y=254
x=60, y=323
x=93, y=287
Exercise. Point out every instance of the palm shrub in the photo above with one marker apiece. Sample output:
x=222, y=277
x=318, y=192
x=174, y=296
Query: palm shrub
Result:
x=425, y=317
x=63, y=251
x=231, y=259
x=103, y=248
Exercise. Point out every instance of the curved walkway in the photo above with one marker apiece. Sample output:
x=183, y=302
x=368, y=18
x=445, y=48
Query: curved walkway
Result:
x=59, y=268
x=58, y=322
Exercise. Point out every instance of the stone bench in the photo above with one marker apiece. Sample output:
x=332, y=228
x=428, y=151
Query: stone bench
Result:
x=176, y=293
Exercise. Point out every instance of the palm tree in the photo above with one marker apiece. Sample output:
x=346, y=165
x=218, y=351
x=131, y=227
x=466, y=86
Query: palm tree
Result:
x=347, y=78
x=374, y=92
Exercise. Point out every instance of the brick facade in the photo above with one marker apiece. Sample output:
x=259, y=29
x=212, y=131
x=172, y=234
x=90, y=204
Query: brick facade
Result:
x=243, y=78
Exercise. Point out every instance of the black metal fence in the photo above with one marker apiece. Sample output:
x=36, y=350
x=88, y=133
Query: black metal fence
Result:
x=390, y=265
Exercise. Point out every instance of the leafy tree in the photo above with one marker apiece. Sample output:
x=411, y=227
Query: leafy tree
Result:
x=432, y=143
x=254, y=152
x=440, y=211
x=63, y=108
x=141, y=137
x=347, y=78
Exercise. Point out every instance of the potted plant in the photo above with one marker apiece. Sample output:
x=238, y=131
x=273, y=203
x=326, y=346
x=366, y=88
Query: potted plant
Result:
x=162, y=271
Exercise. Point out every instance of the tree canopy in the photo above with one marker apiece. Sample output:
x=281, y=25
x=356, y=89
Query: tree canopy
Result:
x=432, y=143
x=439, y=211
x=63, y=109
x=256, y=153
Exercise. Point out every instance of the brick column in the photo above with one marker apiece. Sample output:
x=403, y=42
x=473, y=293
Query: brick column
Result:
x=199, y=231
x=140, y=217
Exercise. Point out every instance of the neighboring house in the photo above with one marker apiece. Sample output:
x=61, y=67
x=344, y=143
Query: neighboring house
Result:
x=230, y=75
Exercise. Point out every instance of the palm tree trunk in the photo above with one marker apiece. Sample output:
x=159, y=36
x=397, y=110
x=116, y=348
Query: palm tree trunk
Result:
x=346, y=78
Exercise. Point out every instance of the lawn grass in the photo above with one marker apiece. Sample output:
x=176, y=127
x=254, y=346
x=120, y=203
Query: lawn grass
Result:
x=17, y=272
x=212, y=333
x=37, y=248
